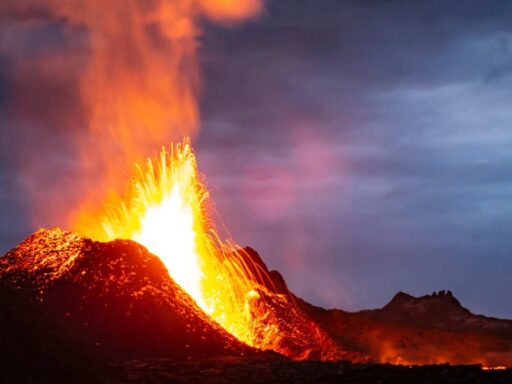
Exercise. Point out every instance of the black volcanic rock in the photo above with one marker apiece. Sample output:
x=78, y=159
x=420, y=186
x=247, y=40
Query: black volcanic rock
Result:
x=263, y=371
x=109, y=301
x=35, y=350
x=439, y=310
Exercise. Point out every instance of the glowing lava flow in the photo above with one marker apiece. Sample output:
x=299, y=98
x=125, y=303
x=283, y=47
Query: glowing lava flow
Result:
x=166, y=211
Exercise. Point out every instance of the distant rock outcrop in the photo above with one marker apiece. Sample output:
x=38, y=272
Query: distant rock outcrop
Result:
x=420, y=330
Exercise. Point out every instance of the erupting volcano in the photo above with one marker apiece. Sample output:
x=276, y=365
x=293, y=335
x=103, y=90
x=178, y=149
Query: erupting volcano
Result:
x=167, y=209
x=138, y=280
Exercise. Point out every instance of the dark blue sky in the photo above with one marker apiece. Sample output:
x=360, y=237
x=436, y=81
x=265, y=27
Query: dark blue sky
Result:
x=362, y=147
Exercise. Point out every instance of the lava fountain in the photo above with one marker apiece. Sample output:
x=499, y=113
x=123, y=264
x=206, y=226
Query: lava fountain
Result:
x=166, y=209
x=139, y=89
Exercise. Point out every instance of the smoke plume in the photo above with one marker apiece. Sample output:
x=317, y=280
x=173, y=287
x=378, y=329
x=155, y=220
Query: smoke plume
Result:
x=140, y=85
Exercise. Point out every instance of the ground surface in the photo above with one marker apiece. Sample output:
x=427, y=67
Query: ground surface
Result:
x=285, y=371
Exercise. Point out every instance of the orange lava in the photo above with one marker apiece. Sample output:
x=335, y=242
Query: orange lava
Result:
x=166, y=210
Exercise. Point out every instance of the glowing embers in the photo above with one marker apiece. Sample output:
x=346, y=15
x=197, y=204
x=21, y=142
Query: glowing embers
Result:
x=173, y=219
x=165, y=209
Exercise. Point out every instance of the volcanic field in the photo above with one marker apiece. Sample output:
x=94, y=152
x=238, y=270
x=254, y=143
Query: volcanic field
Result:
x=78, y=310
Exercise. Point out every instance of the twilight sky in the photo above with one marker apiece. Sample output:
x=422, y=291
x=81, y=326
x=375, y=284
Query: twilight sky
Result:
x=362, y=147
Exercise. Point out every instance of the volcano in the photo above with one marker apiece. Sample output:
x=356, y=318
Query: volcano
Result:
x=115, y=301
x=72, y=307
x=107, y=293
x=106, y=301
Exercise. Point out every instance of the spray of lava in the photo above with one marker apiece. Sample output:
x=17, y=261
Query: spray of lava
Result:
x=166, y=209
x=139, y=88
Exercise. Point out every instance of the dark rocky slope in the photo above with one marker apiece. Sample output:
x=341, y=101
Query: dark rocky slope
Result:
x=66, y=300
x=76, y=310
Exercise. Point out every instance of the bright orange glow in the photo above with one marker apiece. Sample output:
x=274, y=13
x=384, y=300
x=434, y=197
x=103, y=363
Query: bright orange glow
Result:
x=166, y=211
x=173, y=220
x=231, y=10
x=140, y=84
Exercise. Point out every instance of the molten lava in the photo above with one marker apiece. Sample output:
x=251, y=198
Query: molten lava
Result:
x=166, y=210
x=164, y=213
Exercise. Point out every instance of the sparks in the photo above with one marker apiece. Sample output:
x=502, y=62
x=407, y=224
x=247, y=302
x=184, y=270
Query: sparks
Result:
x=166, y=210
